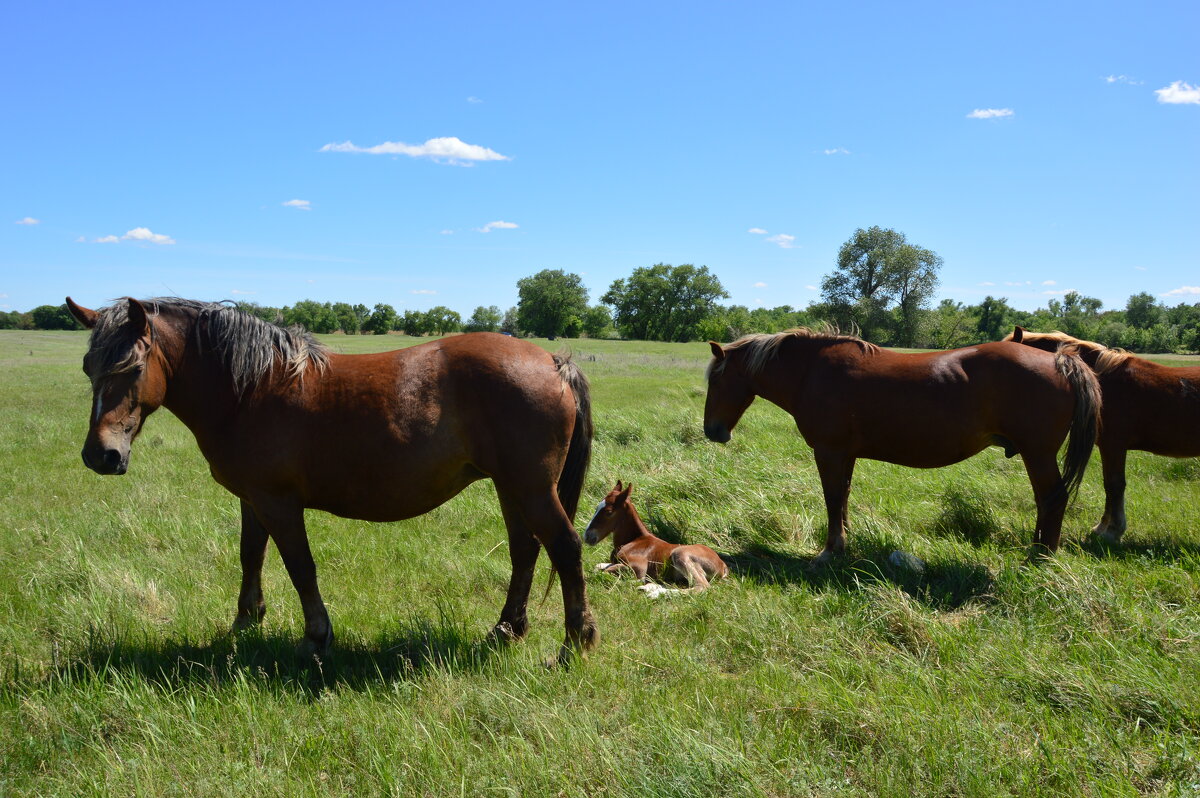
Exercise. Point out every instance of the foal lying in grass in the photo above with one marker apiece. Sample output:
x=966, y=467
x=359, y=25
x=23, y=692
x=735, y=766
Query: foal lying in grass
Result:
x=648, y=557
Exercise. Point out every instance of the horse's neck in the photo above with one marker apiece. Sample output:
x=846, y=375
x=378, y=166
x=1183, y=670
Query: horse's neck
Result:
x=631, y=529
x=199, y=388
x=781, y=375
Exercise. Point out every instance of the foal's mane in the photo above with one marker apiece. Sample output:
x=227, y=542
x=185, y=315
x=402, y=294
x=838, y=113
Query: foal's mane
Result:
x=1107, y=358
x=246, y=345
x=761, y=347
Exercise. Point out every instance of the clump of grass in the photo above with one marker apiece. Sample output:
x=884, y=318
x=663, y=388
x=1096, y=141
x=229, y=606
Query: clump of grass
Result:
x=965, y=515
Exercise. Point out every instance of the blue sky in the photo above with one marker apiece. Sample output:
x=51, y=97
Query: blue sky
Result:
x=433, y=153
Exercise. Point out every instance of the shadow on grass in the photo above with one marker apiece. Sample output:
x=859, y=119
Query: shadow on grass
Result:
x=1167, y=552
x=943, y=586
x=271, y=658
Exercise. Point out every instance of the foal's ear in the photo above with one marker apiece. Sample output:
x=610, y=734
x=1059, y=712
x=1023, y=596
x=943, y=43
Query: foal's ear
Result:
x=84, y=316
x=623, y=496
x=618, y=487
x=717, y=351
x=1018, y=334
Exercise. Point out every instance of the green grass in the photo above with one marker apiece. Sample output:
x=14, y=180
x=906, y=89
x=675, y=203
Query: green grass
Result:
x=982, y=676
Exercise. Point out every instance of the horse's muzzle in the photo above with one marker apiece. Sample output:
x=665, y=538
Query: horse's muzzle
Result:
x=717, y=433
x=107, y=462
x=589, y=537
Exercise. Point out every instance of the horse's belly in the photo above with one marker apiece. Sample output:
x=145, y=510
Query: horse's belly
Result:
x=390, y=500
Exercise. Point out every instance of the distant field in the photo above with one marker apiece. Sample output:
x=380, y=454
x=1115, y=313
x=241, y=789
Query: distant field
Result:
x=984, y=676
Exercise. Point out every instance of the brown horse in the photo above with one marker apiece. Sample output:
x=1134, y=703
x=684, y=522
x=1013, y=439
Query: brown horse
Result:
x=286, y=425
x=851, y=399
x=638, y=551
x=1147, y=406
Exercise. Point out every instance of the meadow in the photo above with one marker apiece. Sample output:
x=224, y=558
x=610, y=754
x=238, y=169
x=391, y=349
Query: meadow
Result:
x=982, y=675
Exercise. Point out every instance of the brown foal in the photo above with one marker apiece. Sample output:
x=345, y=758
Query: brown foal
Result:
x=636, y=549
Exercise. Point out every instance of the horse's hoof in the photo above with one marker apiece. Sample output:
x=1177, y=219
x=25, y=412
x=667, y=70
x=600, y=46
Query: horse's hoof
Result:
x=244, y=623
x=824, y=559
x=309, y=648
x=600, y=566
x=504, y=632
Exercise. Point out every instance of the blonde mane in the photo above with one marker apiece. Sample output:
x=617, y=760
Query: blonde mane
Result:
x=761, y=347
x=1106, y=358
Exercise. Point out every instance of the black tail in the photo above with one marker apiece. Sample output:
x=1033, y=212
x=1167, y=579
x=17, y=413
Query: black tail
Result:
x=1085, y=425
x=579, y=450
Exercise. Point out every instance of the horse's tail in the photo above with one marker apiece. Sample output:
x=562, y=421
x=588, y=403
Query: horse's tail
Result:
x=579, y=449
x=1085, y=423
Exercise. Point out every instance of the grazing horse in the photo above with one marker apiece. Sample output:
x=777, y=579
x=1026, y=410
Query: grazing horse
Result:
x=286, y=424
x=1147, y=406
x=648, y=557
x=851, y=399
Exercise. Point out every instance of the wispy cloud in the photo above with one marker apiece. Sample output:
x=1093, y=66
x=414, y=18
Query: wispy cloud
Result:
x=837, y=151
x=1059, y=292
x=474, y=100
x=1123, y=79
x=1179, y=93
x=811, y=287
x=28, y=220
x=987, y=283
x=990, y=113
x=784, y=240
x=239, y=292
x=758, y=231
x=144, y=234
x=490, y=226
x=448, y=149
x=107, y=240
x=422, y=291
x=445, y=232
x=759, y=285
x=1140, y=268
x=1049, y=282
x=298, y=204
x=1183, y=290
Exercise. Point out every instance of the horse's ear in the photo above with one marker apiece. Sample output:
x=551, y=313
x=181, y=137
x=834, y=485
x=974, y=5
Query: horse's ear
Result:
x=84, y=316
x=717, y=351
x=138, y=317
x=1018, y=334
x=624, y=495
x=619, y=487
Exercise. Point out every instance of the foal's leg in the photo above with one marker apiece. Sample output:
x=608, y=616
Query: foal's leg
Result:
x=523, y=549
x=1050, y=496
x=836, y=471
x=251, y=608
x=1112, y=523
x=285, y=523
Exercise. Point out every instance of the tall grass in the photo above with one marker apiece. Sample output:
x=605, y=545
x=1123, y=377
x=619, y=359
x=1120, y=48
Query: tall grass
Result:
x=981, y=675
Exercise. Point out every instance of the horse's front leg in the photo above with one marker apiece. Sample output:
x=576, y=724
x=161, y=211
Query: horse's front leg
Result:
x=250, y=607
x=1112, y=523
x=836, y=470
x=285, y=524
x=523, y=549
x=1051, y=497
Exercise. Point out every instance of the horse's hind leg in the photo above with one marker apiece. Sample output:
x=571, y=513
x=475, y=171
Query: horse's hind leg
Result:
x=523, y=551
x=1051, y=497
x=836, y=471
x=251, y=608
x=1112, y=523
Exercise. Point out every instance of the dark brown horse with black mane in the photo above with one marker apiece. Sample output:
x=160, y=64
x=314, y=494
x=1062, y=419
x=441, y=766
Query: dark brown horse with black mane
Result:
x=1147, y=406
x=285, y=425
x=851, y=399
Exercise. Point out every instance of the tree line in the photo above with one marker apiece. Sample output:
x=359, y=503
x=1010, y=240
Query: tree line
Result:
x=881, y=287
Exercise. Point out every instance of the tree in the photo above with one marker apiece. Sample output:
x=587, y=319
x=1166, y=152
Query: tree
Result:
x=442, y=320
x=52, y=317
x=347, y=320
x=995, y=318
x=311, y=315
x=509, y=323
x=1077, y=314
x=381, y=320
x=1143, y=311
x=876, y=268
x=597, y=322
x=551, y=303
x=664, y=302
x=483, y=320
x=414, y=322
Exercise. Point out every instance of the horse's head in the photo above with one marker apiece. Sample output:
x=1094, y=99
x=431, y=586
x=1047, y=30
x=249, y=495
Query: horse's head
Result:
x=608, y=514
x=729, y=394
x=128, y=381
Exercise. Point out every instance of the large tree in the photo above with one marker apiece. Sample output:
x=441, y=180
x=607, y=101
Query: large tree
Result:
x=878, y=271
x=551, y=303
x=664, y=302
x=484, y=319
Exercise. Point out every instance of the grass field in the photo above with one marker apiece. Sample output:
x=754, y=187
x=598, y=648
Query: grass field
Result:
x=982, y=676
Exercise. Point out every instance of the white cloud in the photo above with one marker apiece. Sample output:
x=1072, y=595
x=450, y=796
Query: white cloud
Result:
x=144, y=234
x=811, y=287
x=422, y=291
x=490, y=226
x=784, y=240
x=1140, y=268
x=837, y=151
x=987, y=282
x=758, y=231
x=474, y=100
x=1123, y=79
x=1059, y=292
x=446, y=233
x=448, y=149
x=759, y=285
x=298, y=204
x=241, y=293
x=28, y=220
x=107, y=240
x=1184, y=290
x=1049, y=282
x=1018, y=284
x=990, y=113
x=1179, y=93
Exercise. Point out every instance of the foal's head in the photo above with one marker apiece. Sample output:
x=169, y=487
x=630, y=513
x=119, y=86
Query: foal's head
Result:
x=128, y=382
x=611, y=514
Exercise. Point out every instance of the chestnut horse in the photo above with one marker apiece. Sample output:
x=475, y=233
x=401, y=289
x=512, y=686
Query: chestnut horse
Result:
x=851, y=399
x=636, y=550
x=285, y=425
x=1147, y=406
